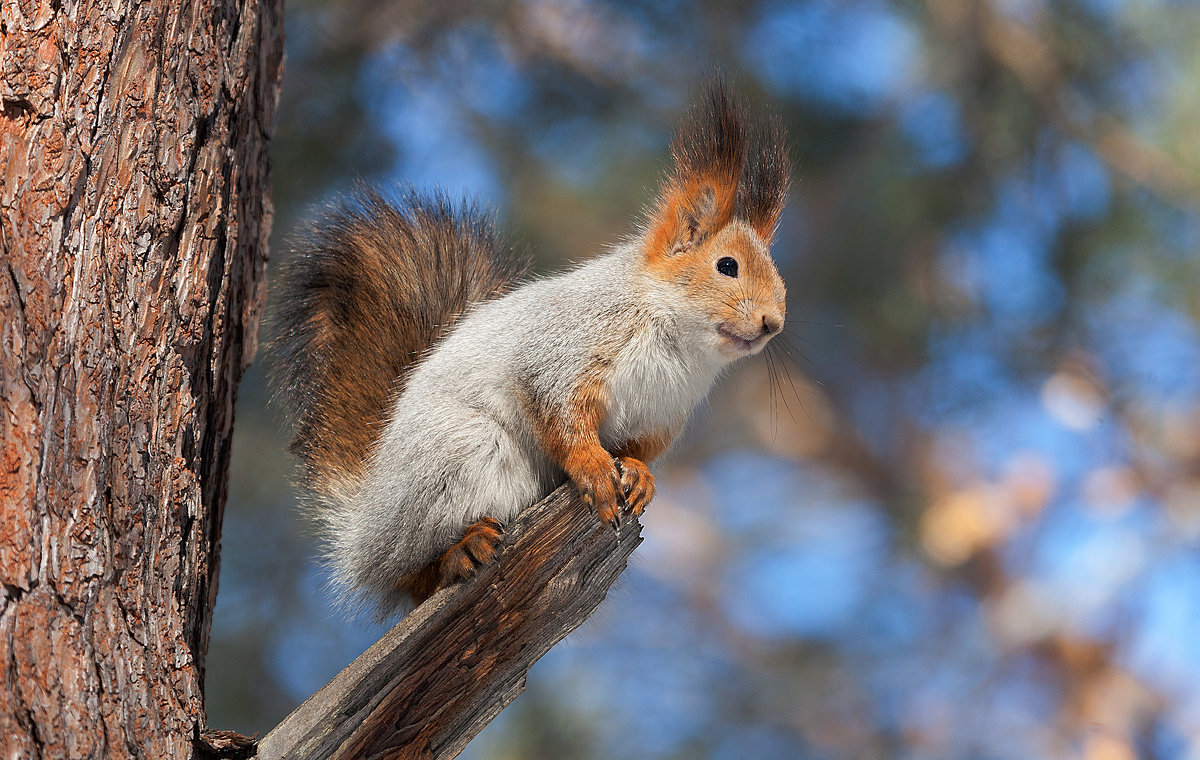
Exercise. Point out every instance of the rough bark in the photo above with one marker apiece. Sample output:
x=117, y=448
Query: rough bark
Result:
x=442, y=673
x=133, y=221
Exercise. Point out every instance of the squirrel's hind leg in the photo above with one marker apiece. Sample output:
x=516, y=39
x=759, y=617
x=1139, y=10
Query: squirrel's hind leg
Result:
x=475, y=549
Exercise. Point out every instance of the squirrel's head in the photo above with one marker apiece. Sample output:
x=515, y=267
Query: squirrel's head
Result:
x=708, y=235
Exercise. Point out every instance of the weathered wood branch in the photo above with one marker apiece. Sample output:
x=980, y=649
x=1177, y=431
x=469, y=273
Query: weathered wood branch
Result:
x=443, y=672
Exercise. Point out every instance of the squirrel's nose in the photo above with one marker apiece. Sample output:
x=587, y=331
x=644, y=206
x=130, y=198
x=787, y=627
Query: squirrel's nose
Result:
x=771, y=324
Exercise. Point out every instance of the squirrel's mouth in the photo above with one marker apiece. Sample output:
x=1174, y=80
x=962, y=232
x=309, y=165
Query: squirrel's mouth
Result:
x=739, y=343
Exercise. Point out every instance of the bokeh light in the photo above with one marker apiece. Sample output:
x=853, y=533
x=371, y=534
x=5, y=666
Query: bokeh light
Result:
x=955, y=512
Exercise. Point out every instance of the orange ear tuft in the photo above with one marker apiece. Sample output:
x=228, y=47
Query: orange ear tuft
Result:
x=689, y=213
x=722, y=167
x=699, y=195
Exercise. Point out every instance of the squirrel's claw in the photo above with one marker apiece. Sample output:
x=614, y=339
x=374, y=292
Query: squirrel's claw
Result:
x=609, y=514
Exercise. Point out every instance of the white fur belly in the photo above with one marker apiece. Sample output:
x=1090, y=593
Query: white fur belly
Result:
x=653, y=388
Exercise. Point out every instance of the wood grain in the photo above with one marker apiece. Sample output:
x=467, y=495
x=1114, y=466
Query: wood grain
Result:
x=134, y=215
x=443, y=672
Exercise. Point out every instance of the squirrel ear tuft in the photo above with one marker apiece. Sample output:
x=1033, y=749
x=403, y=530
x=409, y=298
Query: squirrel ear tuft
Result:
x=699, y=194
x=683, y=218
x=723, y=165
x=763, y=188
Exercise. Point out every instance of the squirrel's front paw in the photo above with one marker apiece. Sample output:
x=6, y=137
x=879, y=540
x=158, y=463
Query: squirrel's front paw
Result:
x=637, y=484
x=599, y=483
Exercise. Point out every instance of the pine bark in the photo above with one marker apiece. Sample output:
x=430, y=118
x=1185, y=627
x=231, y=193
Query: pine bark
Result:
x=134, y=215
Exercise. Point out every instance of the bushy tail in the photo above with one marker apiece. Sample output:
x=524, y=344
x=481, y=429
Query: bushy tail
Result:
x=371, y=285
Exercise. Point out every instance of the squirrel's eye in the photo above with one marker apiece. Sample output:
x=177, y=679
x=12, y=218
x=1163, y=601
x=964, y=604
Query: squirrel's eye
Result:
x=727, y=266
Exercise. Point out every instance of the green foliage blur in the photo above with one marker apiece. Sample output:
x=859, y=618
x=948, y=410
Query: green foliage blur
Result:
x=955, y=512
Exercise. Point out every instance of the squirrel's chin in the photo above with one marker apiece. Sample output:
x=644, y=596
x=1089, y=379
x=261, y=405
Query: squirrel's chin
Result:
x=736, y=347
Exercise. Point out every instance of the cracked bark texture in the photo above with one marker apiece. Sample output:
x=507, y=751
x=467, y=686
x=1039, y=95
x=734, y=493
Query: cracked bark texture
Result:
x=447, y=669
x=134, y=215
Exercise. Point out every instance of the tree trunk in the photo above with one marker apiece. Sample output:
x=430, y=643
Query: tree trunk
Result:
x=134, y=215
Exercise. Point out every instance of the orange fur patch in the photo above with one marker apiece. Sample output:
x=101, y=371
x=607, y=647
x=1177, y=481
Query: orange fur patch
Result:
x=573, y=441
x=647, y=448
x=421, y=584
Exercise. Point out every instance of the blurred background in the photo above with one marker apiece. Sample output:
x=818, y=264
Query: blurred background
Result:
x=956, y=513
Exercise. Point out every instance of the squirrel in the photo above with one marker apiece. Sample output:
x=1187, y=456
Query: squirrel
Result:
x=435, y=398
